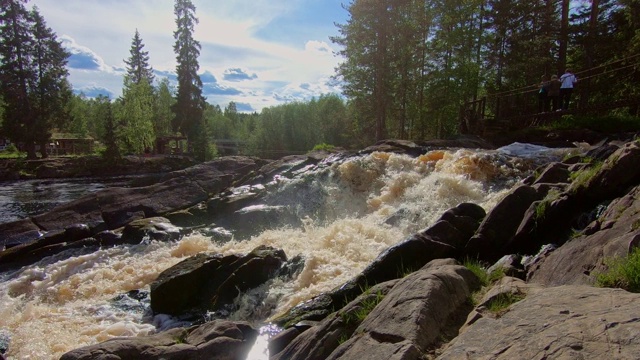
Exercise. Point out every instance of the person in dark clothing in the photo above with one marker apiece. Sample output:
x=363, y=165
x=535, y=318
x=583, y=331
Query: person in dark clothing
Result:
x=542, y=94
x=553, y=93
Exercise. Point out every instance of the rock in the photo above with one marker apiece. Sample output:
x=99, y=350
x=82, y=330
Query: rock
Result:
x=576, y=261
x=565, y=322
x=500, y=225
x=113, y=208
x=404, y=324
x=220, y=340
x=19, y=232
x=510, y=265
x=210, y=282
x=154, y=228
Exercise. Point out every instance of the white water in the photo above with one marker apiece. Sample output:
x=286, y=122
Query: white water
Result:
x=63, y=303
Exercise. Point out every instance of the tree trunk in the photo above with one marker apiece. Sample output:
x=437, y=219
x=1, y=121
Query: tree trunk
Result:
x=564, y=37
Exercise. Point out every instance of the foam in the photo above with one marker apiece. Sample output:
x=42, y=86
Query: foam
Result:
x=63, y=302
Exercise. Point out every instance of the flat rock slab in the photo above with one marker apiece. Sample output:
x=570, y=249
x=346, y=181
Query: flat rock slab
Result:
x=565, y=322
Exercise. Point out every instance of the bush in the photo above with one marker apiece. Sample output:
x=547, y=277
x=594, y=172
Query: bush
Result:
x=611, y=123
x=623, y=272
x=323, y=147
x=11, y=152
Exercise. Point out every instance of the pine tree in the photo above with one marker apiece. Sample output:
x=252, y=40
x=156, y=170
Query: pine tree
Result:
x=137, y=133
x=15, y=72
x=138, y=68
x=34, y=76
x=162, y=108
x=190, y=104
x=104, y=113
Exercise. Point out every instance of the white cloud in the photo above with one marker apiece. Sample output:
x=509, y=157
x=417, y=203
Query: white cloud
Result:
x=99, y=33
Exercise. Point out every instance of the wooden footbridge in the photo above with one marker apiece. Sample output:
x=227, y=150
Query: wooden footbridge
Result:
x=599, y=90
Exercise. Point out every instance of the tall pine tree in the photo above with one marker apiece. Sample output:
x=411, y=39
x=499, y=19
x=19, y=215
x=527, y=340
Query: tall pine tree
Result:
x=138, y=99
x=138, y=68
x=190, y=104
x=34, y=76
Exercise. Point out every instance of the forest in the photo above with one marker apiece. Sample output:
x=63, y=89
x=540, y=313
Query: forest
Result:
x=407, y=68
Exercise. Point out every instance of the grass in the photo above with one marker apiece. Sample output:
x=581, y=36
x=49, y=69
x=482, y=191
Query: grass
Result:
x=323, y=147
x=611, y=123
x=479, y=269
x=360, y=312
x=581, y=178
x=500, y=303
x=623, y=272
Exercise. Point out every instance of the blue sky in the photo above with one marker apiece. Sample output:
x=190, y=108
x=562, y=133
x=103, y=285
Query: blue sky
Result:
x=257, y=53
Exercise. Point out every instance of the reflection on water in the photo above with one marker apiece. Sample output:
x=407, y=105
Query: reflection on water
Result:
x=25, y=198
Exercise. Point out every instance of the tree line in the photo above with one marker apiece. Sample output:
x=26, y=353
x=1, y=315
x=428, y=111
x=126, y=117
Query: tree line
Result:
x=409, y=64
x=407, y=67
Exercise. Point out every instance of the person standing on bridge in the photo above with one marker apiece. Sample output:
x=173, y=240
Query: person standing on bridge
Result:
x=567, y=80
x=553, y=93
x=543, y=89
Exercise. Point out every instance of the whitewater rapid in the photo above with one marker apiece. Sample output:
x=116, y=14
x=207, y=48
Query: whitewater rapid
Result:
x=65, y=302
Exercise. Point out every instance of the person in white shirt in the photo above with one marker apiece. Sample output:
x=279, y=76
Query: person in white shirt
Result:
x=568, y=80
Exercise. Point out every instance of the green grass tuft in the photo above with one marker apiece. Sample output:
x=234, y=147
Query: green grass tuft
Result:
x=623, y=272
x=502, y=301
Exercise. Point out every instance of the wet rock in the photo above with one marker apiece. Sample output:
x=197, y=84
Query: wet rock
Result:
x=207, y=282
x=19, y=232
x=222, y=340
x=154, y=228
x=501, y=224
x=113, y=208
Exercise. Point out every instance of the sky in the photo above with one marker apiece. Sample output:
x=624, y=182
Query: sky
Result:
x=256, y=53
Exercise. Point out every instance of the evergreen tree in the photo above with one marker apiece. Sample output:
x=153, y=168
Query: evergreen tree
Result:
x=136, y=132
x=190, y=104
x=16, y=74
x=34, y=76
x=104, y=115
x=163, y=115
x=138, y=68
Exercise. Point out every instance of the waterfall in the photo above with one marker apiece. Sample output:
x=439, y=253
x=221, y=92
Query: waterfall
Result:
x=348, y=211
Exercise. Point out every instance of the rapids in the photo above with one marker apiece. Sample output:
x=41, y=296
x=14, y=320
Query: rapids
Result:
x=351, y=210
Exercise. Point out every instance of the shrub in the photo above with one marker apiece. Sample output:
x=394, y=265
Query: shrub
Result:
x=610, y=123
x=623, y=272
x=323, y=147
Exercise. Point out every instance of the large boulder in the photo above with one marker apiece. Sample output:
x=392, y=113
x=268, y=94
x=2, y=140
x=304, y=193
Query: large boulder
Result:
x=220, y=340
x=207, y=282
x=614, y=234
x=502, y=222
x=406, y=322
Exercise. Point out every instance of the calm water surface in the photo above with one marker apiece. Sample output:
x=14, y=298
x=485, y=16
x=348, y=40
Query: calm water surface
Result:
x=25, y=198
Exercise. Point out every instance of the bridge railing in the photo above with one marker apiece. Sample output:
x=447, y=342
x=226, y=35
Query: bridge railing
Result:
x=599, y=89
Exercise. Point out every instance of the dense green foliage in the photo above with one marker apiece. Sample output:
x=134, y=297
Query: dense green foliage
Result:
x=34, y=83
x=407, y=67
x=190, y=104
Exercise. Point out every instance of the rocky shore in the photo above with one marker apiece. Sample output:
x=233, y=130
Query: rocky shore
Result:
x=547, y=238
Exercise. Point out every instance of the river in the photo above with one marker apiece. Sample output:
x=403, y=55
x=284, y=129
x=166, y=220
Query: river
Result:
x=76, y=299
x=24, y=198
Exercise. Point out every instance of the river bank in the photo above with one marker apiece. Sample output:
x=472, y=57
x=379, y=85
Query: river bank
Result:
x=89, y=166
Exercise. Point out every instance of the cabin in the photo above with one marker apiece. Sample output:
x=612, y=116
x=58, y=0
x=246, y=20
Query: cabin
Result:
x=70, y=144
